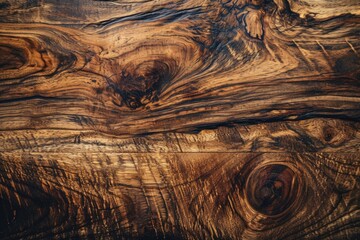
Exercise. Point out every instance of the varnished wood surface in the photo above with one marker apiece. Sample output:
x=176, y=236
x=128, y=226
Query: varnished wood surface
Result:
x=196, y=119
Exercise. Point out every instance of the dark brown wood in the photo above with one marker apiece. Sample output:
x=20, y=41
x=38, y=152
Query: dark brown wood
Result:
x=214, y=119
x=192, y=195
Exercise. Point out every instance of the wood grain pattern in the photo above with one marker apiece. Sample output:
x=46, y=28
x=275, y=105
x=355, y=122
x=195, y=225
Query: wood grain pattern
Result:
x=193, y=195
x=183, y=119
x=313, y=135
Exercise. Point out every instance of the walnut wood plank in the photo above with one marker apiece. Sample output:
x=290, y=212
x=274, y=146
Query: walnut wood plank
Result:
x=181, y=119
x=192, y=195
x=187, y=69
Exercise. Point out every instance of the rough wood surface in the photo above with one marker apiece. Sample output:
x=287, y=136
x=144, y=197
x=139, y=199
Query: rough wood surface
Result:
x=192, y=195
x=313, y=135
x=183, y=119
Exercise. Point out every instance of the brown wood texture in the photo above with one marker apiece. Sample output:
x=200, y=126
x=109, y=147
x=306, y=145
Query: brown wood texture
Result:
x=183, y=119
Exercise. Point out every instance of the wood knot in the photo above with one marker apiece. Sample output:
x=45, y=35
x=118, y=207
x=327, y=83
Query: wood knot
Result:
x=330, y=132
x=272, y=189
x=141, y=84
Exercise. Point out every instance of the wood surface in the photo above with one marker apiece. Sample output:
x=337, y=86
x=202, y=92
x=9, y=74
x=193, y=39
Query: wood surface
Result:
x=179, y=119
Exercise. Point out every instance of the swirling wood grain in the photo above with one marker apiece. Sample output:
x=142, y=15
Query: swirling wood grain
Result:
x=214, y=119
x=189, y=67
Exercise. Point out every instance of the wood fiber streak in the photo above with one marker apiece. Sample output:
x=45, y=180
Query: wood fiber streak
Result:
x=181, y=119
x=313, y=135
